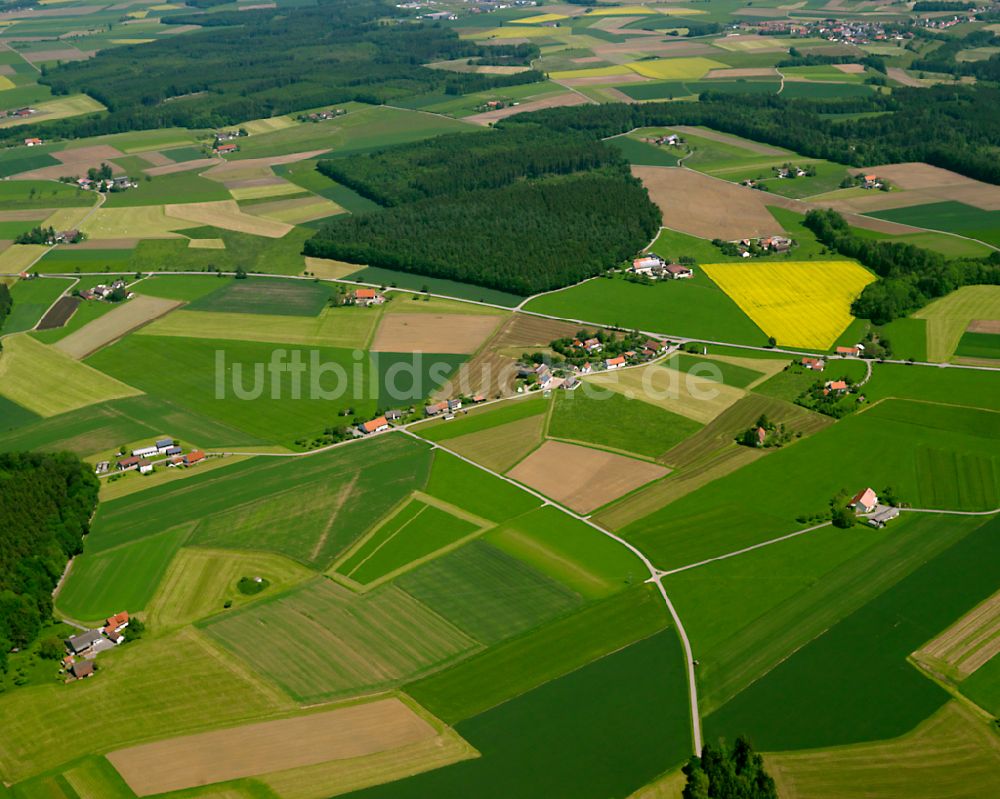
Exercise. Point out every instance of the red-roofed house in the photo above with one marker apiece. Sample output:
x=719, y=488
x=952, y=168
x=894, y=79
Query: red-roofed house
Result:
x=374, y=426
x=118, y=621
x=677, y=271
x=32, y=142
x=435, y=408
x=835, y=385
x=654, y=345
x=224, y=149
x=114, y=636
x=761, y=436
x=193, y=457
x=128, y=463
x=593, y=345
x=367, y=297
x=614, y=363
x=816, y=364
x=849, y=352
x=864, y=501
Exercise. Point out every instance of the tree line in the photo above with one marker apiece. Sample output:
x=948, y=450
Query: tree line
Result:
x=6, y=303
x=910, y=276
x=262, y=63
x=953, y=127
x=46, y=502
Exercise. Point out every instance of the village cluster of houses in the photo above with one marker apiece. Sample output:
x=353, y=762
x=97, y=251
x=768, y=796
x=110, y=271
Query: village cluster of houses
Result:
x=322, y=116
x=18, y=113
x=748, y=248
x=669, y=140
x=166, y=451
x=866, y=503
x=81, y=649
x=105, y=291
x=542, y=375
x=496, y=105
x=444, y=409
x=104, y=185
x=653, y=266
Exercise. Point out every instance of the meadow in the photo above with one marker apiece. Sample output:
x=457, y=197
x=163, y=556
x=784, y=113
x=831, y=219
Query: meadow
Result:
x=870, y=691
x=26, y=194
x=957, y=469
x=614, y=421
x=801, y=304
x=730, y=374
x=979, y=345
x=951, y=217
x=502, y=447
x=695, y=308
x=377, y=276
x=459, y=483
x=180, y=187
x=547, y=743
x=483, y=419
x=32, y=299
x=639, y=152
x=948, y=317
x=72, y=260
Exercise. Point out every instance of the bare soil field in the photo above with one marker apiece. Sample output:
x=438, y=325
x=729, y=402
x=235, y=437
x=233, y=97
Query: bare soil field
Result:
x=524, y=330
x=445, y=333
x=113, y=325
x=95, y=153
x=899, y=75
x=347, y=732
x=703, y=206
x=581, y=478
x=227, y=214
x=59, y=314
x=155, y=158
x=183, y=166
x=559, y=101
x=500, y=447
x=938, y=184
x=850, y=69
x=231, y=170
x=75, y=162
x=984, y=326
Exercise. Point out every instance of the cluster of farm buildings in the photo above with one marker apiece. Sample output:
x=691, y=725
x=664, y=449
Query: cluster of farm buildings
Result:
x=165, y=452
x=104, y=291
x=18, y=113
x=104, y=185
x=866, y=503
x=83, y=648
x=653, y=266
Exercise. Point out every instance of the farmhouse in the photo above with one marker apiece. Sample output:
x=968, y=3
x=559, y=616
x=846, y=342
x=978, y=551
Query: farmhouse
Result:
x=171, y=451
x=544, y=375
x=835, y=386
x=776, y=243
x=117, y=622
x=393, y=416
x=815, y=364
x=32, y=142
x=655, y=346
x=114, y=636
x=883, y=515
x=193, y=457
x=850, y=352
x=435, y=408
x=101, y=467
x=81, y=669
x=144, y=452
x=125, y=464
x=761, y=436
x=163, y=445
x=374, y=426
x=593, y=345
x=223, y=149
x=677, y=271
x=646, y=264
x=614, y=363
x=368, y=297
x=145, y=466
x=84, y=642
x=865, y=501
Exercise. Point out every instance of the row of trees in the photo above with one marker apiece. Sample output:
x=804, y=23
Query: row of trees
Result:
x=6, y=303
x=910, y=276
x=523, y=238
x=955, y=127
x=460, y=162
x=265, y=62
x=46, y=502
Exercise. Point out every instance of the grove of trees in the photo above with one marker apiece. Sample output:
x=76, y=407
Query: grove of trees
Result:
x=46, y=503
x=724, y=773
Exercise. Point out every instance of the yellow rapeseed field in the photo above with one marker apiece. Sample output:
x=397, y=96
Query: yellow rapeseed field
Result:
x=801, y=303
x=675, y=68
x=538, y=19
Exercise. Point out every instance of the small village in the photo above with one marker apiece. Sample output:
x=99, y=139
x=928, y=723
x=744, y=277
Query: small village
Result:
x=144, y=460
x=83, y=648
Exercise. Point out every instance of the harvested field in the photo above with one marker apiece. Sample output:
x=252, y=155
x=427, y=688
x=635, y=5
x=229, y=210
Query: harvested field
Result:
x=59, y=314
x=296, y=211
x=18, y=257
x=500, y=447
x=262, y=187
x=850, y=69
x=939, y=184
x=74, y=162
x=901, y=76
x=26, y=215
x=182, y=166
x=695, y=397
x=707, y=207
x=256, y=167
x=743, y=72
x=952, y=754
x=146, y=222
x=984, y=326
x=732, y=141
x=107, y=244
x=525, y=330
x=487, y=117
x=235, y=752
x=446, y=333
x=325, y=267
x=968, y=644
x=751, y=43
x=113, y=325
x=154, y=158
x=581, y=478
x=803, y=304
x=948, y=317
x=94, y=154
x=226, y=214
x=598, y=80
x=207, y=244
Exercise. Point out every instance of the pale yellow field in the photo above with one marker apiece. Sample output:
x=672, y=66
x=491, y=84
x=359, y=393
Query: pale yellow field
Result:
x=268, y=125
x=514, y=32
x=61, y=108
x=113, y=325
x=326, y=267
x=596, y=72
x=6, y=83
x=19, y=257
x=948, y=317
x=206, y=244
x=48, y=382
x=800, y=303
x=538, y=19
x=297, y=211
x=144, y=222
x=621, y=11
x=226, y=214
x=270, y=190
x=66, y=218
x=675, y=68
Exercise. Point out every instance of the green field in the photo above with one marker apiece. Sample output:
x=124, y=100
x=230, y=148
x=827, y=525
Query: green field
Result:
x=459, y=483
x=14, y=416
x=378, y=276
x=569, y=551
x=182, y=287
x=486, y=593
x=415, y=531
x=824, y=91
x=479, y=420
x=944, y=457
x=694, y=308
x=180, y=187
x=979, y=345
x=952, y=386
x=641, y=153
x=951, y=217
x=118, y=579
x=32, y=299
x=529, y=660
x=266, y=296
x=252, y=253
x=305, y=174
x=870, y=692
x=549, y=743
x=983, y=686
x=609, y=419
x=721, y=371
x=322, y=641
x=71, y=260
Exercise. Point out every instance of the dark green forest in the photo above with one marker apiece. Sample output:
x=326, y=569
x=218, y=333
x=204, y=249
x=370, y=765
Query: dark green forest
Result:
x=954, y=127
x=910, y=276
x=253, y=64
x=46, y=502
x=6, y=303
x=723, y=773
x=464, y=162
x=523, y=238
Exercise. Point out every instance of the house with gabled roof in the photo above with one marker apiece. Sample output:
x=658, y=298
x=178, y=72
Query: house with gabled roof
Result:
x=865, y=501
x=374, y=426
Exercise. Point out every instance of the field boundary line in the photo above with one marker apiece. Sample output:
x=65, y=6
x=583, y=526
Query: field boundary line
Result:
x=655, y=578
